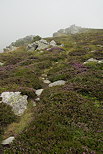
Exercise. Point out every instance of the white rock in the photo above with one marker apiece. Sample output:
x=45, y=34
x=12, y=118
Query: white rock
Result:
x=47, y=81
x=39, y=91
x=16, y=101
x=8, y=140
x=100, y=61
x=41, y=51
x=44, y=75
x=1, y=64
x=53, y=43
x=93, y=60
x=37, y=99
x=57, y=83
x=90, y=60
x=34, y=104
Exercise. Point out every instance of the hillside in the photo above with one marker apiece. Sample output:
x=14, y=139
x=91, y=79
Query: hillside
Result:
x=61, y=119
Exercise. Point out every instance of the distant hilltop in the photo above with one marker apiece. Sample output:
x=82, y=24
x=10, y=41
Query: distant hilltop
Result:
x=73, y=29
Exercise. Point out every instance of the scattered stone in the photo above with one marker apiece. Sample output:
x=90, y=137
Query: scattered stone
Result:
x=39, y=91
x=100, y=61
x=100, y=46
x=57, y=83
x=93, y=51
x=16, y=101
x=37, y=99
x=93, y=60
x=47, y=81
x=1, y=64
x=44, y=75
x=8, y=141
x=53, y=43
x=41, y=51
x=34, y=104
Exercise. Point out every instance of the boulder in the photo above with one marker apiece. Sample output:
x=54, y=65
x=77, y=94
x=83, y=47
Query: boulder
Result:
x=57, y=83
x=16, y=101
x=47, y=81
x=39, y=91
x=53, y=43
x=8, y=141
x=39, y=45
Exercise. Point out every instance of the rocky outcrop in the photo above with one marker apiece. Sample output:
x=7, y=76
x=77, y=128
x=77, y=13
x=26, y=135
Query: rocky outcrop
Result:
x=10, y=48
x=70, y=30
x=39, y=45
x=16, y=101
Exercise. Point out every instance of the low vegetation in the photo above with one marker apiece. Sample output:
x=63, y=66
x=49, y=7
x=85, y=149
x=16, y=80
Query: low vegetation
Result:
x=67, y=119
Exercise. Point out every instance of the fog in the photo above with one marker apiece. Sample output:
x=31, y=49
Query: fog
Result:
x=19, y=18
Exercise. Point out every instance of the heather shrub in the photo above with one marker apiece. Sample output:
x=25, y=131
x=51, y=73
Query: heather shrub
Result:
x=65, y=122
x=6, y=117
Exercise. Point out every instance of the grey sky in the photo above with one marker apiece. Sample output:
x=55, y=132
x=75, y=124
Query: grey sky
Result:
x=19, y=18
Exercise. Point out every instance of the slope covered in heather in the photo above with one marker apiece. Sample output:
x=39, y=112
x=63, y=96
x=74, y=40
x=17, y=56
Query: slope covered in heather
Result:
x=68, y=118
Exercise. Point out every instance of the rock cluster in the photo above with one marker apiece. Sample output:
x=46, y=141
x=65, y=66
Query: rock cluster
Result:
x=10, y=48
x=16, y=101
x=73, y=29
x=93, y=60
x=39, y=45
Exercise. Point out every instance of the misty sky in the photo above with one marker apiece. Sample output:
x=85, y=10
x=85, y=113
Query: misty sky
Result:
x=19, y=18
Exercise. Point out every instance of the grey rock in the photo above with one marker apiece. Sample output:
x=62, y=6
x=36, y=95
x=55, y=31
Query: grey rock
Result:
x=39, y=91
x=53, y=43
x=57, y=83
x=93, y=60
x=38, y=45
x=10, y=48
x=16, y=101
x=47, y=81
x=8, y=141
x=37, y=99
x=73, y=29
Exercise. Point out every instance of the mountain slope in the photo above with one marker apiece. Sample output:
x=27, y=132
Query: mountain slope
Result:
x=68, y=118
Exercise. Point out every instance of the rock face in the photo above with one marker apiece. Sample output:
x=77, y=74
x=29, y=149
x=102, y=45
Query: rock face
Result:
x=16, y=101
x=8, y=141
x=57, y=83
x=39, y=45
x=70, y=30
